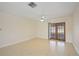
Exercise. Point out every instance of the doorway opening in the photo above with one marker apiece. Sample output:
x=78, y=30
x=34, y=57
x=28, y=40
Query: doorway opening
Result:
x=56, y=31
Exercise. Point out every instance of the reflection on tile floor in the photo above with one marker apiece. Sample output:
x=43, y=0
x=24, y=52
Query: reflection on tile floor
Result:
x=40, y=47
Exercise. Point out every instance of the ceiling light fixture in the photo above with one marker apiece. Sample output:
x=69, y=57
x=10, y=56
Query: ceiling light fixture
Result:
x=43, y=18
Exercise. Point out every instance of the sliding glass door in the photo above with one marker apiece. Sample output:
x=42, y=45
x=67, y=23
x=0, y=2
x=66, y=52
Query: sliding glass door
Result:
x=57, y=31
x=60, y=31
x=52, y=31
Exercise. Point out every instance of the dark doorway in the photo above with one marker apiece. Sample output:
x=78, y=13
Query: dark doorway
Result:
x=56, y=31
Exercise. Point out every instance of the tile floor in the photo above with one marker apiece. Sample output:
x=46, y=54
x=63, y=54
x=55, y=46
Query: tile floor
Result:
x=39, y=47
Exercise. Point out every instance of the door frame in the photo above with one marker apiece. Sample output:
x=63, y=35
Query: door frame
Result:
x=56, y=29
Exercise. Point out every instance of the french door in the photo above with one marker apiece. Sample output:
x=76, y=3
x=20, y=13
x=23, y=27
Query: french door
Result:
x=57, y=31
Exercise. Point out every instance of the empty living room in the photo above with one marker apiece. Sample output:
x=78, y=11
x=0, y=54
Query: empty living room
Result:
x=39, y=28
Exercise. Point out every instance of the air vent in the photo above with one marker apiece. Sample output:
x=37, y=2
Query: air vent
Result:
x=32, y=4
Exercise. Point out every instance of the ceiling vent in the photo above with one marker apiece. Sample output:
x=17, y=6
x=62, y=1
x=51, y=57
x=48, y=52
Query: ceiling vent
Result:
x=32, y=4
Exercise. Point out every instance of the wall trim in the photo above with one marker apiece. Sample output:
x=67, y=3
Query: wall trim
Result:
x=76, y=48
x=13, y=43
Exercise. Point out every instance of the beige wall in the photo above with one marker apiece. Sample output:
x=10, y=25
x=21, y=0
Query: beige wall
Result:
x=43, y=27
x=15, y=29
x=76, y=29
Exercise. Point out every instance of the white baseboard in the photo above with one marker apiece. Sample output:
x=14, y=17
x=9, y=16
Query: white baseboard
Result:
x=42, y=37
x=77, y=50
x=12, y=43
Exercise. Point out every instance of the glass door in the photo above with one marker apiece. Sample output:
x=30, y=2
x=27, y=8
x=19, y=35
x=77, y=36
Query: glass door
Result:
x=52, y=31
x=57, y=31
x=60, y=31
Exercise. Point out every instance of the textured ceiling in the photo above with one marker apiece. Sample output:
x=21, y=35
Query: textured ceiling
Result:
x=49, y=9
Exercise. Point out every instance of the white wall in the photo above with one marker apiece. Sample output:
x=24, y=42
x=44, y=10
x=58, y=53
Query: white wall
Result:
x=15, y=29
x=43, y=27
x=76, y=29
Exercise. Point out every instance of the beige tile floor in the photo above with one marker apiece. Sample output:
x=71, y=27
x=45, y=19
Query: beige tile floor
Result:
x=39, y=47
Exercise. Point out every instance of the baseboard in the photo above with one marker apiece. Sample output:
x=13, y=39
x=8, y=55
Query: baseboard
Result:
x=12, y=43
x=42, y=37
x=76, y=48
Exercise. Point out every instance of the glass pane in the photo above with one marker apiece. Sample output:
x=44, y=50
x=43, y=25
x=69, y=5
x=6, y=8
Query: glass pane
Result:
x=53, y=35
x=50, y=30
x=61, y=32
